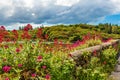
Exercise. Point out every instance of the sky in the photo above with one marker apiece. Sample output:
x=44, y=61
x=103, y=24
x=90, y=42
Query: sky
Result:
x=15, y=13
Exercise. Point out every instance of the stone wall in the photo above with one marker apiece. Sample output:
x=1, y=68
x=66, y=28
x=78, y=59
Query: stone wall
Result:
x=77, y=55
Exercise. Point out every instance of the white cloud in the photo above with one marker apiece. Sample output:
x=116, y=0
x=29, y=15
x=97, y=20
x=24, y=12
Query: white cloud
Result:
x=66, y=2
x=116, y=5
x=6, y=8
x=5, y=3
x=28, y=3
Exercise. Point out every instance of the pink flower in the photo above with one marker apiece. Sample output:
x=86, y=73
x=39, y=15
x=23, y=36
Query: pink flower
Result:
x=17, y=50
x=47, y=76
x=33, y=75
x=7, y=78
x=39, y=58
x=6, y=68
x=44, y=67
x=19, y=65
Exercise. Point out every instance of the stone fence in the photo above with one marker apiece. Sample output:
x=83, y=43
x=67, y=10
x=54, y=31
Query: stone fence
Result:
x=77, y=55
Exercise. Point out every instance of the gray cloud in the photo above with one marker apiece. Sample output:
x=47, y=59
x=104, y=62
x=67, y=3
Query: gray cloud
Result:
x=56, y=11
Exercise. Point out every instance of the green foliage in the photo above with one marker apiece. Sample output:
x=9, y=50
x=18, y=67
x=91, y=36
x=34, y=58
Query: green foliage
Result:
x=98, y=67
x=75, y=38
x=73, y=32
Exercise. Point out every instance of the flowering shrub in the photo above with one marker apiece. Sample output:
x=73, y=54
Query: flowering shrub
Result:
x=52, y=62
x=32, y=61
x=99, y=66
x=41, y=61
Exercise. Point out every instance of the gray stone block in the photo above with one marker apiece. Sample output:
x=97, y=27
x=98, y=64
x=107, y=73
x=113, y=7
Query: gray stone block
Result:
x=117, y=68
x=114, y=76
x=119, y=60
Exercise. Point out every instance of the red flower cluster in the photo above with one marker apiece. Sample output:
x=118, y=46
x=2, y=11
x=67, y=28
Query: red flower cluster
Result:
x=28, y=27
x=39, y=33
x=47, y=77
x=87, y=37
x=26, y=35
x=39, y=58
x=17, y=50
x=33, y=75
x=15, y=33
x=2, y=28
x=6, y=68
x=20, y=65
x=55, y=42
x=1, y=38
x=77, y=43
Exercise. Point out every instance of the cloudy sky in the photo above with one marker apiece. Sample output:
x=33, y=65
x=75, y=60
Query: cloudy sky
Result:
x=14, y=13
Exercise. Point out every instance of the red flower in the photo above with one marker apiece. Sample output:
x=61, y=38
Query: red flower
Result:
x=15, y=33
x=1, y=38
x=55, y=42
x=33, y=75
x=47, y=77
x=6, y=46
x=26, y=35
x=8, y=39
x=44, y=67
x=17, y=50
x=2, y=28
x=28, y=27
x=19, y=65
x=39, y=58
x=39, y=33
x=6, y=68
x=61, y=43
x=94, y=53
x=7, y=78
x=87, y=37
